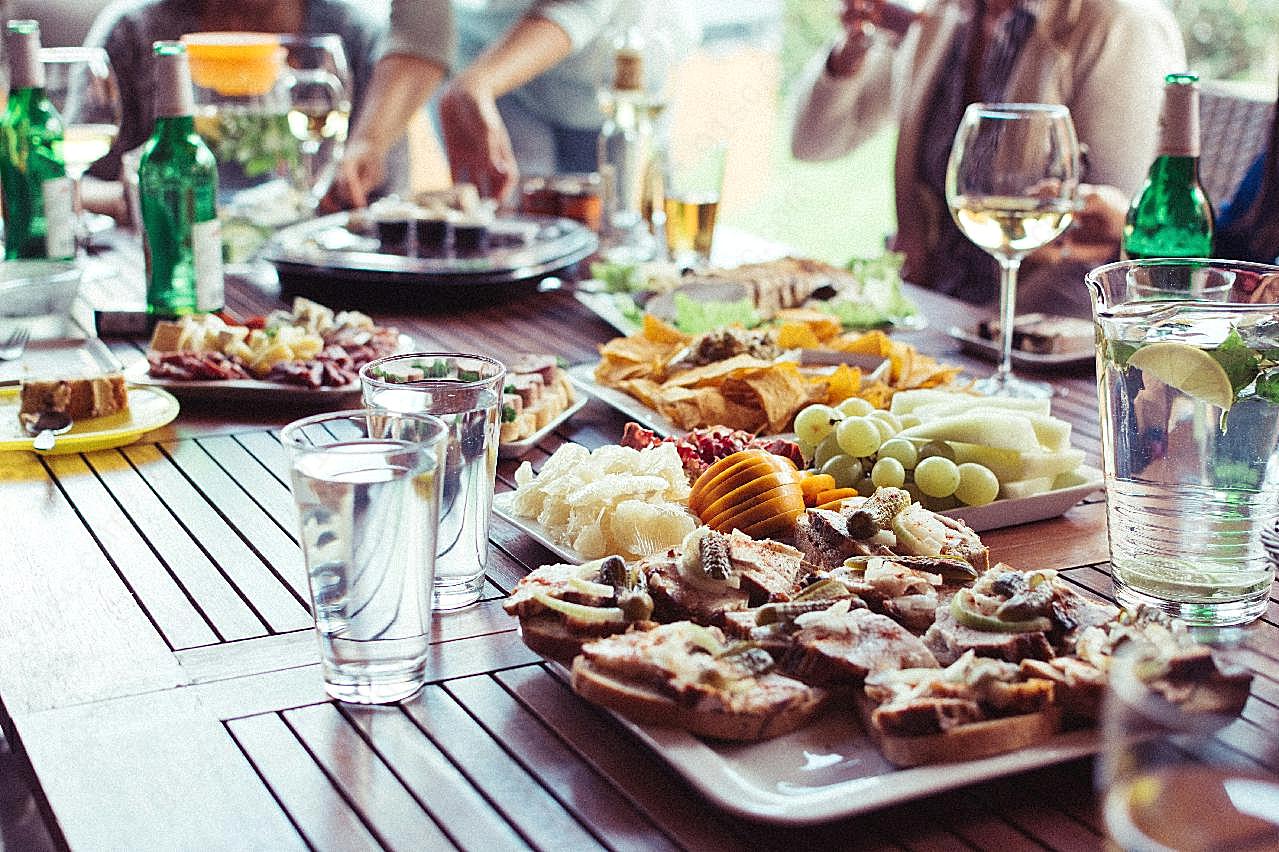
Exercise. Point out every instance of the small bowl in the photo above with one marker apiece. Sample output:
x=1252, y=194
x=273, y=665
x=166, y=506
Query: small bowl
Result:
x=30, y=288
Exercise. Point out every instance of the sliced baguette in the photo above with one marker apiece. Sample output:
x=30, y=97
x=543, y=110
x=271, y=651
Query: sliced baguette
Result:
x=793, y=708
x=963, y=742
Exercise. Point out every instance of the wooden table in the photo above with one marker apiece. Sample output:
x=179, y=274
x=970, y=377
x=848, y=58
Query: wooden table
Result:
x=161, y=675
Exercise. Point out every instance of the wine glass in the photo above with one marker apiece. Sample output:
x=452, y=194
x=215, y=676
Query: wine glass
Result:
x=1012, y=185
x=80, y=83
x=318, y=81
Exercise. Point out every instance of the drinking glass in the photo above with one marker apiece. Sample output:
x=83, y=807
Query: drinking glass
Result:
x=1189, y=412
x=694, y=180
x=465, y=392
x=367, y=489
x=318, y=80
x=1168, y=782
x=1012, y=185
x=80, y=83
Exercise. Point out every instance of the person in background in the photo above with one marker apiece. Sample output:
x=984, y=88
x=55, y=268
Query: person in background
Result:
x=1104, y=59
x=1248, y=223
x=128, y=28
x=523, y=97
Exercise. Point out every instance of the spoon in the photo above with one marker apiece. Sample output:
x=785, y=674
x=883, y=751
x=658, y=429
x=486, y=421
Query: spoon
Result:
x=46, y=427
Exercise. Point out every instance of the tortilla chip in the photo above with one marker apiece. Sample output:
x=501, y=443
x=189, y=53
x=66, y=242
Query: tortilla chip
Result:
x=842, y=384
x=795, y=335
x=713, y=373
x=823, y=325
x=656, y=331
x=646, y=391
x=869, y=343
x=779, y=391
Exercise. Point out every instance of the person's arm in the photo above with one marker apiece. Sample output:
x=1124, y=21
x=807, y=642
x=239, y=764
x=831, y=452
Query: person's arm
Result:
x=419, y=50
x=478, y=147
x=847, y=91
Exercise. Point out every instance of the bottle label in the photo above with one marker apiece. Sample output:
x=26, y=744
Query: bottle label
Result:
x=206, y=249
x=59, y=218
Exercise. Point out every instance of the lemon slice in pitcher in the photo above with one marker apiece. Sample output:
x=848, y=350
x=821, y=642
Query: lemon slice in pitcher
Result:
x=1187, y=368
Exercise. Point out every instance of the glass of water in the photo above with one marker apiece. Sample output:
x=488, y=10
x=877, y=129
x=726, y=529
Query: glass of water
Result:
x=1173, y=777
x=367, y=488
x=465, y=392
x=1188, y=369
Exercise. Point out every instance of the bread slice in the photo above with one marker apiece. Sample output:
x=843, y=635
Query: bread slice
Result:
x=80, y=399
x=963, y=742
x=793, y=706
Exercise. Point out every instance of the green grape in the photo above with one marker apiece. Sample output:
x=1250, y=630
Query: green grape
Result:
x=901, y=450
x=806, y=449
x=937, y=448
x=858, y=436
x=889, y=418
x=846, y=470
x=909, y=421
x=937, y=476
x=854, y=406
x=977, y=484
x=884, y=428
x=826, y=450
x=888, y=473
x=815, y=422
x=865, y=487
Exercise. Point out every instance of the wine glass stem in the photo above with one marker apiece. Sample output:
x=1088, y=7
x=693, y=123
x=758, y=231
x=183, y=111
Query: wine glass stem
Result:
x=1008, y=267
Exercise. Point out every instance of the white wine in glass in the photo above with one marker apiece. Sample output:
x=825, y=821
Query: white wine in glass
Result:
x=319, y=86
x=81, y=84
x=1012, y=185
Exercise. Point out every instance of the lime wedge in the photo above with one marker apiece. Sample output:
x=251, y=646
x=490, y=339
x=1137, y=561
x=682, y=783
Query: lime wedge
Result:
x=1188, y=369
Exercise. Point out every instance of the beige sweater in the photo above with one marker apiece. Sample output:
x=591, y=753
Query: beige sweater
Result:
x=1104, y=59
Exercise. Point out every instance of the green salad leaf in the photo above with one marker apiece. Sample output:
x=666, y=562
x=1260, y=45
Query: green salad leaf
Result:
x=694, y=317
x=881, y=300
x=617, y=277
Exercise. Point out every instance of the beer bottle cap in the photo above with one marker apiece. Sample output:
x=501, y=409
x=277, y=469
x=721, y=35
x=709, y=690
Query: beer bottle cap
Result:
x=1179, y=119
x=22, y=40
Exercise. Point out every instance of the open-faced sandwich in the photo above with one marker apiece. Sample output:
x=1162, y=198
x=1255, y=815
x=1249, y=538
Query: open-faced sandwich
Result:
x=536, y=392
x=686, y=675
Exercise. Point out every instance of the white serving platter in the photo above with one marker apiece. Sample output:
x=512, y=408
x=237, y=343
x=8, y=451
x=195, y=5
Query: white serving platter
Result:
x=828, y=770
x=516, y=449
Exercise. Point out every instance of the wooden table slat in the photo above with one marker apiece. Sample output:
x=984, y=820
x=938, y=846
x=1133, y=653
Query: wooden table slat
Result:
x=261, y=589
x=217, y=600
x=521, y=798
x=578, y=786
x=467, y=816
x=159, y=594
x=314, y=805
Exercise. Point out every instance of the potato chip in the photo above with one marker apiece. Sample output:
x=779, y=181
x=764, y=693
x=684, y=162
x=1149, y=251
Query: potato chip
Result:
x=842, y=384
x=712, y=374
x=657, y=331
x=778, y=391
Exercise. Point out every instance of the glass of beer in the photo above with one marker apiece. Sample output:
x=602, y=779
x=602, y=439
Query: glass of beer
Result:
x=693, y=181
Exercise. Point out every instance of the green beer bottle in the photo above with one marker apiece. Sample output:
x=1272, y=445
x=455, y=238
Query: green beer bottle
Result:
x=178, y=187
x=1171, y=216
x=39, y=220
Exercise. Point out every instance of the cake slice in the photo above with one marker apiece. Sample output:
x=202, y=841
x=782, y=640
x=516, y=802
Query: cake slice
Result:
x=80, y=399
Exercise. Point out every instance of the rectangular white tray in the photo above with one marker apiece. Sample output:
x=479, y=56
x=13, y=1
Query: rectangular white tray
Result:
x=516, y=449
x=828, y=770
x=583, y=377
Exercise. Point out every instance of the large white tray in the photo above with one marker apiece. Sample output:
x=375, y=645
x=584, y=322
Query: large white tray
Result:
x=516, y=449
x=828, y=770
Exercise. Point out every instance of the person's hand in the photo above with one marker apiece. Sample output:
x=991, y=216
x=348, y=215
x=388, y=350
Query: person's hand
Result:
x=1095, y=233
x=360, y=169
x=475, y=139
x=860, y=18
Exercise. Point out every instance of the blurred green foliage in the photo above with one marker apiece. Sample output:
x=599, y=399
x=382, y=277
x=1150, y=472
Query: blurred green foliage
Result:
x=1230, y=39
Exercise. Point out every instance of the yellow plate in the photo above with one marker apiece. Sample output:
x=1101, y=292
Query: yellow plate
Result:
x=149, y=408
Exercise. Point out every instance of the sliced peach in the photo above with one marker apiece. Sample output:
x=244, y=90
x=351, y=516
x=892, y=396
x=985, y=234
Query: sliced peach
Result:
x=748, y=490
x=722, y=466
x=835, y=495
x=728, y=481
x=778, y=501
x=778, y=525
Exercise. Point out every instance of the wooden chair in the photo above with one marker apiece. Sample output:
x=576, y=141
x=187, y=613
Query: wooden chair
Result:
x=1233, y=129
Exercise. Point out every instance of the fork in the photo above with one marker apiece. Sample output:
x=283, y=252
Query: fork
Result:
x=14, y=343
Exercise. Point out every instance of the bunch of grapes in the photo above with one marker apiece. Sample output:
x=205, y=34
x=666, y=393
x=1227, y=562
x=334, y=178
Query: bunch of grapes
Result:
x=858, y=445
